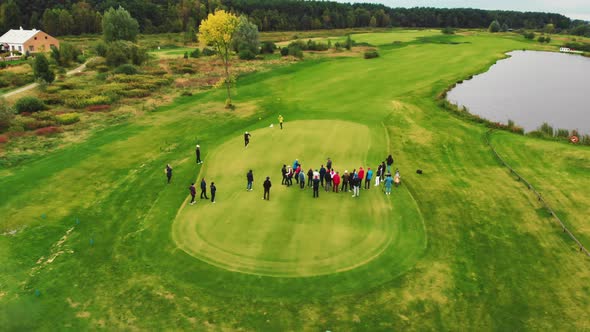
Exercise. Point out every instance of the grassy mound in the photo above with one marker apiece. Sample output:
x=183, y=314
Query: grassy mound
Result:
x=294, y=234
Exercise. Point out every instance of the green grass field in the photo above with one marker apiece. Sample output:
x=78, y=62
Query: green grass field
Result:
x=93, y=237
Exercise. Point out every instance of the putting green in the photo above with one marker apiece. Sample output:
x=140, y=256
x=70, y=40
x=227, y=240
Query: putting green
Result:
x=293, y=234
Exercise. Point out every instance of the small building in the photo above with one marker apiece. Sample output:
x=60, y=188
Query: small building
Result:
x=24, y=41
x=564, y=49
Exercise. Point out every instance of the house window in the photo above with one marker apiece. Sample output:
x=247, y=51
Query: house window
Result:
x=45, y=37
x=31, y=48
x=20, y=48
x=35, y=38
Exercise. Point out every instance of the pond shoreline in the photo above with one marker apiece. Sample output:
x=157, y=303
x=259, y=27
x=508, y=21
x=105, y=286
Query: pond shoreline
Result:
x=551, y=90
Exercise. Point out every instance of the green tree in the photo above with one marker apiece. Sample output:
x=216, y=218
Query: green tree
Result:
x=549, y=28
x=494, y=26
x=66, y=22
x=41, y=69
x=373, y=22
x=50, y=21
x=11, y=16
x=117, y=24
x=86, y=19
x=246, y=36
x=348, y=44
x=218, y=30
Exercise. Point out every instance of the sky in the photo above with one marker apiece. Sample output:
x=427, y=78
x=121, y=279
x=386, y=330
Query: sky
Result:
x=574, y=9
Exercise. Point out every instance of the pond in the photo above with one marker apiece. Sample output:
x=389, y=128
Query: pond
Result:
x=530, y=88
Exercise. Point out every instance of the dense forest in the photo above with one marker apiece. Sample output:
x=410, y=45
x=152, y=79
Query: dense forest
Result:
x=65, y=17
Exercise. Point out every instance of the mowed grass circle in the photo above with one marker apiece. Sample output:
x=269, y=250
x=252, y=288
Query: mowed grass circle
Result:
x=293, y=234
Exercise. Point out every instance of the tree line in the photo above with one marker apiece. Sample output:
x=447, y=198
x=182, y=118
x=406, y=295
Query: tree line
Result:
x=73, y=17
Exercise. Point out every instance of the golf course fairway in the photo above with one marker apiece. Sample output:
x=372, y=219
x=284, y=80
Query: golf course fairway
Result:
x=293, y=234
x=92, y=237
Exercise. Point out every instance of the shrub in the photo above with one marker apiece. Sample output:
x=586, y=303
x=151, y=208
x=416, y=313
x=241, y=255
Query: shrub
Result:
x=196, y=53
x=371, y=54
x=127, y=69
x=29, y=104
x=448, y=31
x=547, y=39
x=98, y=108
x=95, y=62
x=295, y=50
x=48, y=131
x=284, y=51
x=44, y=115
x=4, y=139
x=136, y=93
x=546, y=129
x=67, y=118
x=268, y=47
x=31, y=124
x=246, y=54
x=208, y=51
x=564, y=133
x=529, y=35
x=79, y=103
x=101, y=49
x=541, y=39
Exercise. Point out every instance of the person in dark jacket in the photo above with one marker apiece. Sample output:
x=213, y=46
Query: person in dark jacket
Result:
x=168, y=171
x=204, y=189
x=328, y=179
x=322, y=175
x=193, y=191
x=213, y=191
x=345, y=181
x=316, y=187
x=289, y=176
x=247, y=139
x=389, y=163
x=267, y=186
x=250, y=178
x=284, y=172
x=310, y=177
x=329, y=164
x=198, y=153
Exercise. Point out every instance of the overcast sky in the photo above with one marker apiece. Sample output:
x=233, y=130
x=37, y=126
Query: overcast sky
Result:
x=575, y=9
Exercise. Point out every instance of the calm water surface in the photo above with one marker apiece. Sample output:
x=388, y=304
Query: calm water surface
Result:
x=531, y=88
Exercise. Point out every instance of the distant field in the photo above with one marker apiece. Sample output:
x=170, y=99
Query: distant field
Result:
x=94, y=238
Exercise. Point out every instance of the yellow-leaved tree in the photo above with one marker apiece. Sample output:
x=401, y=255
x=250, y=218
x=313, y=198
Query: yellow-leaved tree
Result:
x=218, y=30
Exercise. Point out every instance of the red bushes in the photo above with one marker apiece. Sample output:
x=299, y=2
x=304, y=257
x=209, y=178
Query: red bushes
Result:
x=3, y=139
x=48, y=131
x=97, y=108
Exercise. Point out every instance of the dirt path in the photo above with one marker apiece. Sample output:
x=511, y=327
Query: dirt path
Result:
x=34, y=85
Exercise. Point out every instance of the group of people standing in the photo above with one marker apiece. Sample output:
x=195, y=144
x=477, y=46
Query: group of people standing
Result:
x=325, y=177
x=331, y=180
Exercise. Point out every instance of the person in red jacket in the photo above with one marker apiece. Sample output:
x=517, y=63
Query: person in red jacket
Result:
x=361, y=174
x=336, y=180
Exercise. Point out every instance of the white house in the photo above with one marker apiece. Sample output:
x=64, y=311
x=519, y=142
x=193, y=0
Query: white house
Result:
x=27, y=41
